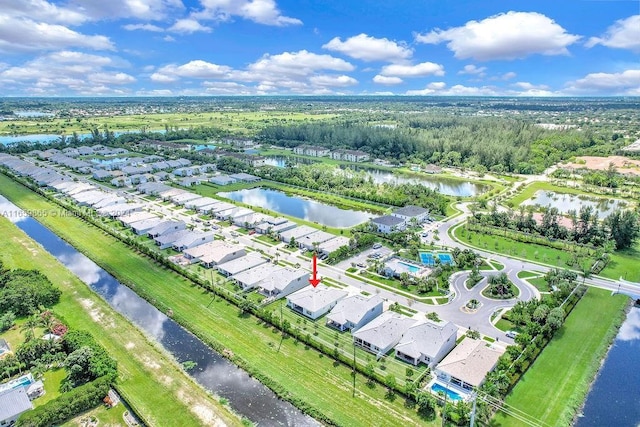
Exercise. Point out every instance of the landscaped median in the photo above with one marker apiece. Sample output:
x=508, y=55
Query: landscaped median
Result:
x=555, y=386
x=153, y=384
x=311, y=380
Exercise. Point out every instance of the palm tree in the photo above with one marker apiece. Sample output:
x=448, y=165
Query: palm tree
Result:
x=29, y=326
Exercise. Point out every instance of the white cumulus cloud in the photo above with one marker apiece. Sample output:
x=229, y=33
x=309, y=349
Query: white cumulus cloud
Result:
x=387, y=80
x=193, y=69
x=473, y=70
x=417, y=70
x=368, y=48
x=626, y=82
x=623, y=34
x=188, y=26
x=507, y=36
x=26, y=35
x=143, y=27
x=67, y=73
x=333, y=81
x=264, y=12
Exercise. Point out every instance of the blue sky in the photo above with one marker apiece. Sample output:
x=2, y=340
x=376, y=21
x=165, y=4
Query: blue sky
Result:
x=253, y=47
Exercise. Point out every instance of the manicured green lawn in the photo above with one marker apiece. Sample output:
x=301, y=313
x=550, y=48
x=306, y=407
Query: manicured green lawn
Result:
x=527, y=274
x=143, y=368
x=502, y=245
x=539, y=283
x=556, y=384
x=624, y=264
x=308, y=376
x=51, y=380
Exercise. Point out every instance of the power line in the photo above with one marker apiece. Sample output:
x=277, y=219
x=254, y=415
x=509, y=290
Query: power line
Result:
x=511, y=410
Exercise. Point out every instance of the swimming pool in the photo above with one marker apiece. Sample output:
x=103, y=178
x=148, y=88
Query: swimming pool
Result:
x=412, y=268
x=23, y=381
x=451, y=395
x=429, y=259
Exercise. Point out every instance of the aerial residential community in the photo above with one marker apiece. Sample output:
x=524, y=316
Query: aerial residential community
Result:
x=433, y=219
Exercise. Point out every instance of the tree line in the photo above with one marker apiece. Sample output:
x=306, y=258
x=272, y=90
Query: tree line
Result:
x=621, y=227
x=483, y=143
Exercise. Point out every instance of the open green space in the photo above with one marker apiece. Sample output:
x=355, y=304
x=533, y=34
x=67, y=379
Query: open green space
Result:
x=282, y=362
x=104, y=416
x=621, y=263
x=241, y=122
x=527, y=274
x=512, y=248
x=556, y=384
x=143, y=367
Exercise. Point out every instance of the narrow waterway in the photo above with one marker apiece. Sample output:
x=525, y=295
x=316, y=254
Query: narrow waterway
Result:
x=247, y=396
x=614, y=399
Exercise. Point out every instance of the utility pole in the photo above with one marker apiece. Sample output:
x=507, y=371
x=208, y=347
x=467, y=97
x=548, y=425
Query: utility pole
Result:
x=354, y=369
x=473, y=410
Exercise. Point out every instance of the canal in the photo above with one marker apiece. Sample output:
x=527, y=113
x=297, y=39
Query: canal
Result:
x=614, y=399
x=247, y=396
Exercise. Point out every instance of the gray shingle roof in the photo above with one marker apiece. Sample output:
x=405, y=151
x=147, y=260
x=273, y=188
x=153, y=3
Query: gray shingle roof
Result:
x=14, y=402
x=387, y=220
x=411, y=211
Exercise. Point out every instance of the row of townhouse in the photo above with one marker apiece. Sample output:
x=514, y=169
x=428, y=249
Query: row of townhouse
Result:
x=346, y=155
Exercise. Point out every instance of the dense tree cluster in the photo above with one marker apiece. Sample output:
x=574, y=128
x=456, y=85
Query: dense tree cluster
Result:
x=67, y=405
x=86, y=360
x=621, y=226
x=485, y=143
x=24, y=291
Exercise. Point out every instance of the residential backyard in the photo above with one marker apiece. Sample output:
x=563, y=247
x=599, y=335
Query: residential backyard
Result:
x=140, y=368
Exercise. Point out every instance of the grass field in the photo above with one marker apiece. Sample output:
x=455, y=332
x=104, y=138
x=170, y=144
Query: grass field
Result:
x=621, y=264
x=556, y=384
x=143, y=368
x=244, y=122
x=307, y=376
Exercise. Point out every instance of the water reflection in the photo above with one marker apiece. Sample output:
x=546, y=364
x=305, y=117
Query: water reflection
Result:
x=566, y=202
x=614, y=399
x=630, y=329
x=447, y=187
x=246, y=396
x=309, y=210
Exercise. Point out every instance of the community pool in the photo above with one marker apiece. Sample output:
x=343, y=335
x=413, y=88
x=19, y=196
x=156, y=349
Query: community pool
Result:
x=428, y=258
x=412, y=268
x=451, y=395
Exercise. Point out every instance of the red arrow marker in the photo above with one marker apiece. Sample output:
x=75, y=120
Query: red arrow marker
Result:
x=314, y=280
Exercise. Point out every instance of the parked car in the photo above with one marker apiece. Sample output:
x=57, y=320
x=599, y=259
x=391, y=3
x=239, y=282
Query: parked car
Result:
x=252, y=232
x=511, y=334
x=361, y=265
x=377, y=245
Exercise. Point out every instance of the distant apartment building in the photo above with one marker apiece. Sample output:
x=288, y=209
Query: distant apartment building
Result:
x=311, y=150
x=350, y=155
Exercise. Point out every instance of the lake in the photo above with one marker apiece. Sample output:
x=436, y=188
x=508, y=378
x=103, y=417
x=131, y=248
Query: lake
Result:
x=614, y=399
x=448, y=187
x=306, y=209
x=247, y=396
x=566, y=202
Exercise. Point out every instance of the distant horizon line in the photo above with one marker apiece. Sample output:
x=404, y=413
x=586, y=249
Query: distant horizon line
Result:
x=303, y=96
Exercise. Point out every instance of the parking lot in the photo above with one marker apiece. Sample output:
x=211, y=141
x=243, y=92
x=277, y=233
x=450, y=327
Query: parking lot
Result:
x=363, y=257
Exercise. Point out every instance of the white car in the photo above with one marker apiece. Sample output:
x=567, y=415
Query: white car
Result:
x=511, y=334
x=377, y=245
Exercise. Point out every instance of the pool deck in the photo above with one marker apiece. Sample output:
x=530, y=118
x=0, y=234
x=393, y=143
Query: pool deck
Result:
x=464, y=394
